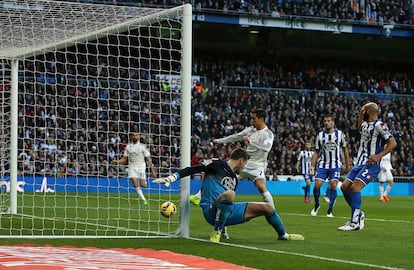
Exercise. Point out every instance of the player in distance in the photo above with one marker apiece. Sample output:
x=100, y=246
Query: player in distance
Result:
x=330, y=143
x=136, y=155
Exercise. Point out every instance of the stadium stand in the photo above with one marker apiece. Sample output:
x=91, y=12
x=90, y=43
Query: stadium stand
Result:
x=296, y=97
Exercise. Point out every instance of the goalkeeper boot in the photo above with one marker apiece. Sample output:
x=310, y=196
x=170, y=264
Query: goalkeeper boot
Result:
x=144, y=202
x=291, y=237
x=194, y=200
x=215, y=236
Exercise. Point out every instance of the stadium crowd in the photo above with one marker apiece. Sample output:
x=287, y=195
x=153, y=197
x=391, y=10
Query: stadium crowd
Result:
x=78, y=128
x=355, y=11
x=73, y=120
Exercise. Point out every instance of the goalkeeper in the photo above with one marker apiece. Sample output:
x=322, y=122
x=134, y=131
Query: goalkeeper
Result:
x=218, y=195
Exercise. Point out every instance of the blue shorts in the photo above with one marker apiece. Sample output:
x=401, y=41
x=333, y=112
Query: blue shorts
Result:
x=236, y=216
x=309, y=177
x=364, y=172
x=328, y=174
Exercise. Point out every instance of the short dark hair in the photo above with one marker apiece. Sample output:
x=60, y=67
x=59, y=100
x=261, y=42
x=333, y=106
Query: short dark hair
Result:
x=260, y=113
x=239, y=153
x=330, y=116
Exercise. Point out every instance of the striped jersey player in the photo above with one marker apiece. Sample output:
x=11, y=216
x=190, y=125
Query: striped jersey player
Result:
x=330, y=147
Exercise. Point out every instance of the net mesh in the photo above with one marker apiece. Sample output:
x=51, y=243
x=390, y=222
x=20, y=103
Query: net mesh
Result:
x=89, y=76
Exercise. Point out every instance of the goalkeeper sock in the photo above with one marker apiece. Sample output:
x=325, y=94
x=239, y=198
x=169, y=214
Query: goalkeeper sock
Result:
x=274, y=220
x=140, y=193
x=224, y=209
x=267, y=197
x=198, y=194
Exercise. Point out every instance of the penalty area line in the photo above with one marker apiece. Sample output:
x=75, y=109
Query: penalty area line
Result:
x=302, y=255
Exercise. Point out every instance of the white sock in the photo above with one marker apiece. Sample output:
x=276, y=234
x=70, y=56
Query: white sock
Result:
x=140, y=193
x=381, y=191
x=198, y=194
x=267, y=197
x=387, y=190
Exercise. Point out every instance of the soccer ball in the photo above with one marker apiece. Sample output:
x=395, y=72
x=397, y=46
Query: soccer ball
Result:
x=168, y=209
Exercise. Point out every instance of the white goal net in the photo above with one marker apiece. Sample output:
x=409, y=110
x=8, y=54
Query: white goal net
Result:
x=76, y=81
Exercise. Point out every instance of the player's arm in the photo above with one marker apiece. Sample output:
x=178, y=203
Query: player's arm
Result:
x=314, y=161
x=391, y=144
x=345, y=151
x=346, y=159
x=199, y=168
x=361, y=116
x=234, y=137
x=151, y=166
x=123, y=160
x=298, y=162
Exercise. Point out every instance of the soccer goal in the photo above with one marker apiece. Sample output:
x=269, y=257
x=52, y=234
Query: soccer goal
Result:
x=76, y=80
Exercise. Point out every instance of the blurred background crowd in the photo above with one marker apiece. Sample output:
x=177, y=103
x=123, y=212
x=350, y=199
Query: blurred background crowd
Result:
x=71, y=125
x=357, y=11
x=78, y=129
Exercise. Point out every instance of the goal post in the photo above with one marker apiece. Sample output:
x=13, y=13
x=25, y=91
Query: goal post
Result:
x=77, y=79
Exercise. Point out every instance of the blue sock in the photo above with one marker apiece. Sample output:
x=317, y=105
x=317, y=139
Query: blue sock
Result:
x=348, y=197
x=316, y=195
x=274, y=220
x=307, y=192
x=356, y=206
x=332, y=198
x=224, y=209
x=328, y=193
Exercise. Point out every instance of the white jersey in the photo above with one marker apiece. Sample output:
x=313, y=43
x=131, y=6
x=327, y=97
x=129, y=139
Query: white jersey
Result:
x=261, y=142
x=386, y=168
x=374, y=136
x=386, y=162
x=330, y=148
x=305, y=160
x=136, y=154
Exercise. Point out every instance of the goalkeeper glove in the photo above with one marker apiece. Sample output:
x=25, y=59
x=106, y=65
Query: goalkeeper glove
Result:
x=167, y=180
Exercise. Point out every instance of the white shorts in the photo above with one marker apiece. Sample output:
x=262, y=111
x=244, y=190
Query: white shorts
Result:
x=137, y=173
x=384, y=176
x=252, y=172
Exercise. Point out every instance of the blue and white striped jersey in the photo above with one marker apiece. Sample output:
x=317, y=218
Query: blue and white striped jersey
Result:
x=374, y=136
x=330, y=148
x=305, y=158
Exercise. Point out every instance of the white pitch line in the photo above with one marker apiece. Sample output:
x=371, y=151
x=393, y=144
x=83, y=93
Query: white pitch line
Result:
x=374, y=219
x=303, y=255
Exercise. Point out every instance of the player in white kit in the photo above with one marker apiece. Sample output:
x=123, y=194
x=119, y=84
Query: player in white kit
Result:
x=385, y=175
x=137, y=156
x=259, y=140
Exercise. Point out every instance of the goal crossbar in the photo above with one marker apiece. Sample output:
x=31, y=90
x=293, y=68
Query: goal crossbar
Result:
x=125, y=18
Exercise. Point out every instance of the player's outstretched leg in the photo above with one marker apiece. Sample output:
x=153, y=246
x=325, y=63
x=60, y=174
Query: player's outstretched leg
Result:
x=274, y=219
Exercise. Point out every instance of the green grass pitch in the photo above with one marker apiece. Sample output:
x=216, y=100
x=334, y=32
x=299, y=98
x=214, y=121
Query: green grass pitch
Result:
x=387, y=242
